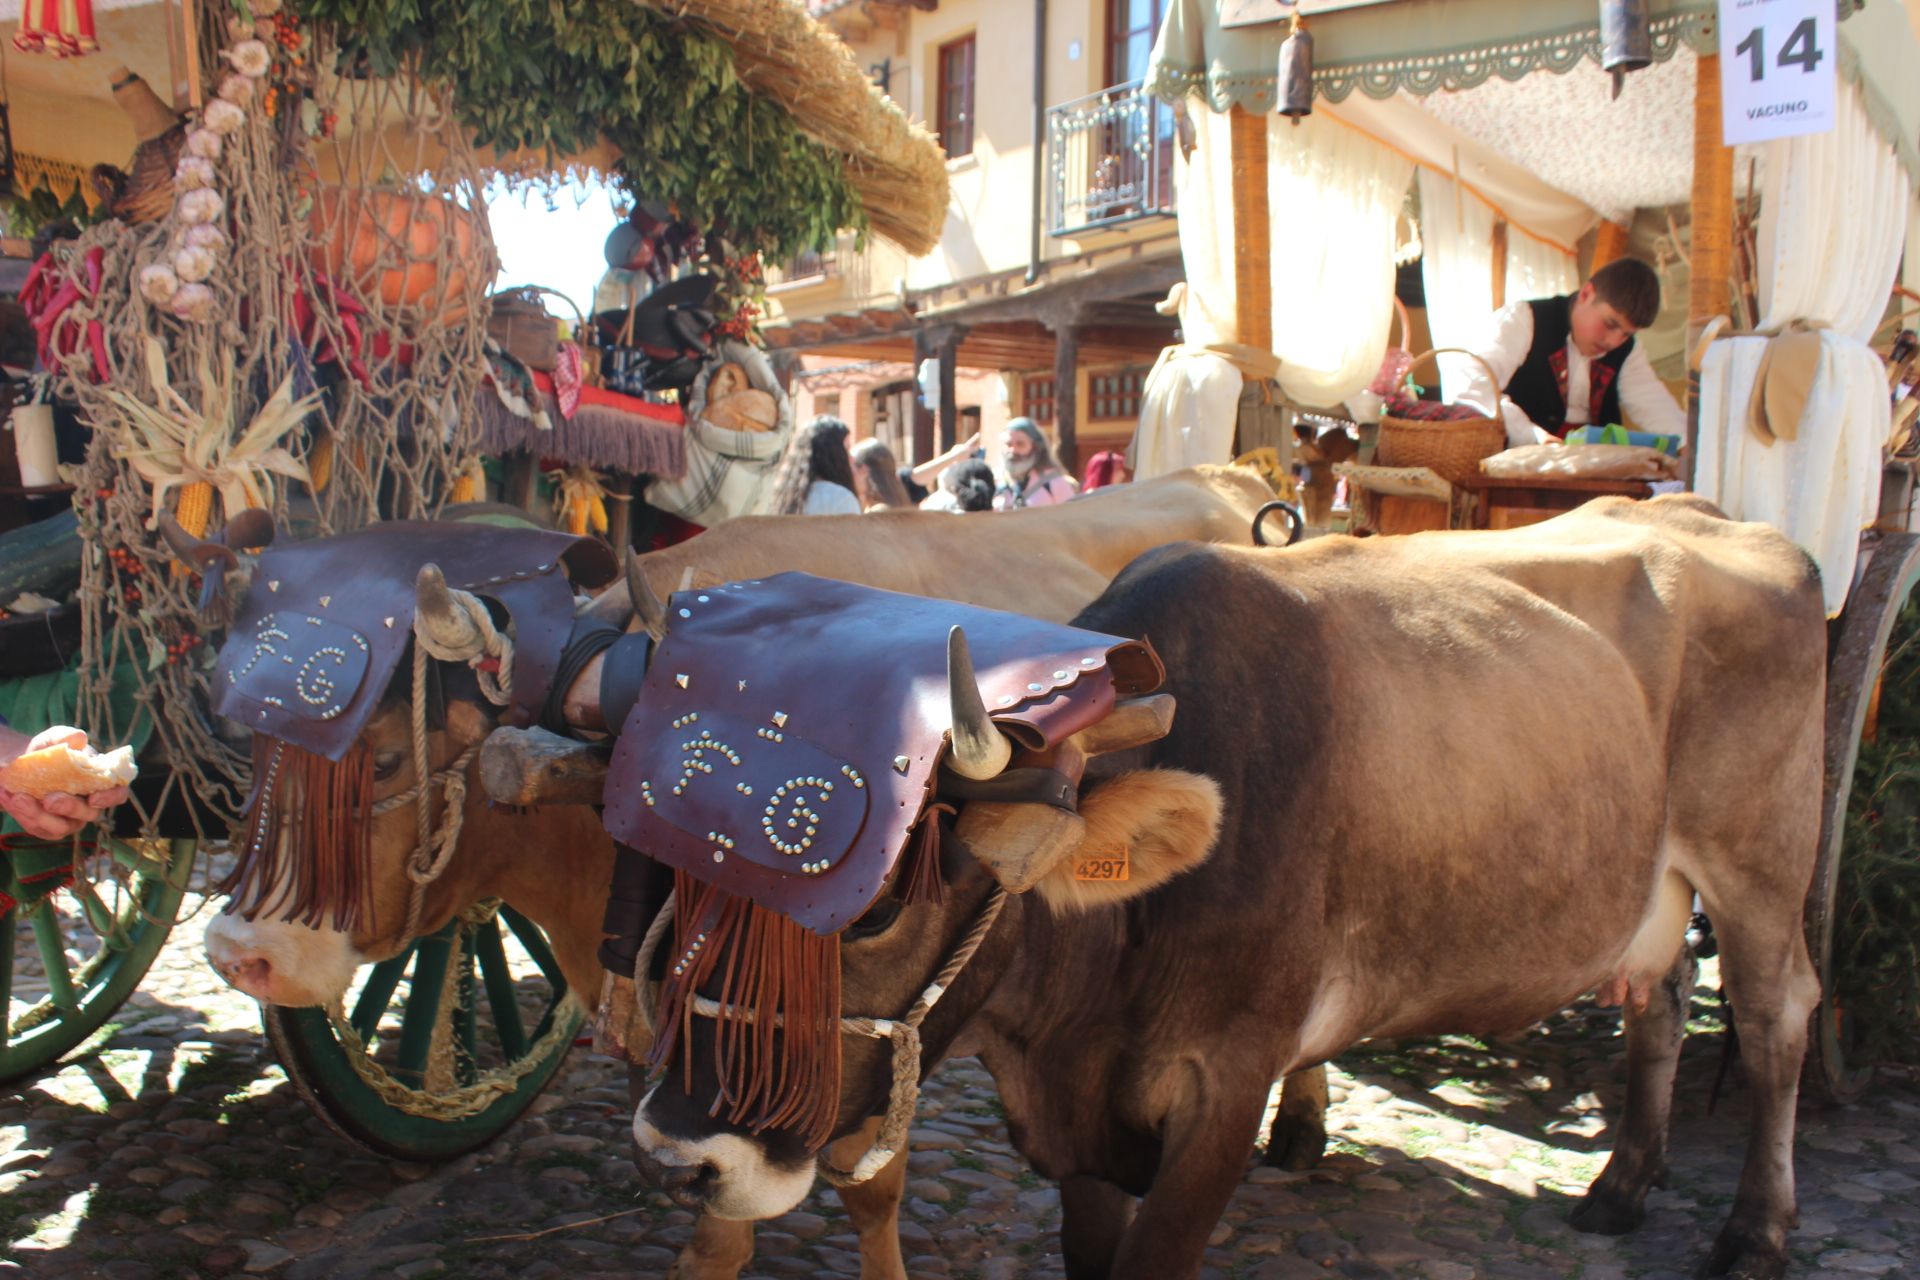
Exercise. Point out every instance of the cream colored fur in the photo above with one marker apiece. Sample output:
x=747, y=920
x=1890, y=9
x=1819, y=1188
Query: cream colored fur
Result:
x=1164, y=820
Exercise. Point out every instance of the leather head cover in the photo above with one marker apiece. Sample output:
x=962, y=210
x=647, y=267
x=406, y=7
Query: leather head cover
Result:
x=326, y=621
x=787, y=735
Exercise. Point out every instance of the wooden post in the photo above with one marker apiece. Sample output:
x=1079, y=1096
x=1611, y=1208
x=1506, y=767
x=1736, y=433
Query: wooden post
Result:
x=1066, y=392
x=947, y=351
x=1499, y=263
x=1609, y=243
x=1251, y=234
x=1709, y=294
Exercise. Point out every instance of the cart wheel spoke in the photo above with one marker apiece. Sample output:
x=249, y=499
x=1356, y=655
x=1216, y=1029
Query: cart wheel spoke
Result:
x=431, y=956
x=535, y=942
x=501, y=997
x=53, y=958
x=9, y=922
x=377, y=994
x=466, y=1016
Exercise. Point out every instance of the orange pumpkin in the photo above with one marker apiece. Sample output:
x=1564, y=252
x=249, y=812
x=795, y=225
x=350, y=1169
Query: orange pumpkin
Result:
x=405, y=248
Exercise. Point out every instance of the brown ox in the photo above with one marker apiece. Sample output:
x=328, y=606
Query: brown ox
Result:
x=551, y=864
x=1521, y=753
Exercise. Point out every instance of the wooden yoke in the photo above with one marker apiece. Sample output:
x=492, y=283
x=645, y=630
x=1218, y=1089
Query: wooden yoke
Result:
x=534, y=767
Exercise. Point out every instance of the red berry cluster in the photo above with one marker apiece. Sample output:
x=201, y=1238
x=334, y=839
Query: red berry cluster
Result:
x=286, y=32
x=123, y=559
x=178, y=650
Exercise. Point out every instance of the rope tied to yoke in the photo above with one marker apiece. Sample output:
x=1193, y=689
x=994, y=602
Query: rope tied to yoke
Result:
x=903, y=1094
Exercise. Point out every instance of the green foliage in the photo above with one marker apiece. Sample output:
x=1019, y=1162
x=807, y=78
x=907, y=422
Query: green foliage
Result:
x=27, y=213
x=549, y=74
x=1876, y=931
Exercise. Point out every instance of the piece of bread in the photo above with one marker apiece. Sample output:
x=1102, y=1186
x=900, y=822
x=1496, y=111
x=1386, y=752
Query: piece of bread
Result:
x=744, y=411
x=62, y=769
x=726, y=380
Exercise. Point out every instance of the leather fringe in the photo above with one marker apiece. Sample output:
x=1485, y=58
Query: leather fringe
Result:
x=322, y=874
x=920, y=879
x=779, y=1065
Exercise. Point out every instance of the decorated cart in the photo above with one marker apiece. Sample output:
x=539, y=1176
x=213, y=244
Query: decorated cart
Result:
x=1508, y=146
x=274, y=316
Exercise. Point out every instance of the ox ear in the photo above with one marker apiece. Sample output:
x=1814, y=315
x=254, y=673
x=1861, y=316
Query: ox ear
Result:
x=1140, y=830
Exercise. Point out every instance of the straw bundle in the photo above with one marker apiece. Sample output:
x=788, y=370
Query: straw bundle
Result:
x=780, y=53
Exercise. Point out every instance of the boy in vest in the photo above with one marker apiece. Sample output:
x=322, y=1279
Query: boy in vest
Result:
x=1572, y=361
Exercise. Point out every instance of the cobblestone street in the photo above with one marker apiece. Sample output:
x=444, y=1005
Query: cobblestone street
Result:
x=177, y=1148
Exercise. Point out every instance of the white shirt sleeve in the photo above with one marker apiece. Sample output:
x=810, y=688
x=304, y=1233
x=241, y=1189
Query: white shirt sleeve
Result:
x=1645, y=399
x=1504, y=346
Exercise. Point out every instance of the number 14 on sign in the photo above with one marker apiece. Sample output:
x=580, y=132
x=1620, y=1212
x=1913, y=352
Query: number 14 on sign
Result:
x=1777, y=60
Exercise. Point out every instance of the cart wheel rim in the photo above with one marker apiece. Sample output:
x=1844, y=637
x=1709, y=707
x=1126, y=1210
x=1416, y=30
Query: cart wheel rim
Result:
x=73, y=998
x=445, y=1080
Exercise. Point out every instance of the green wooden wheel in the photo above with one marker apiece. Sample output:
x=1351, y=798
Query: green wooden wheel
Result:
x=443, y=1046
x=66, y=971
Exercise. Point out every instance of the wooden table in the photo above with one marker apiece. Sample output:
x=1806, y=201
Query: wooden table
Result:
x=1509, y=502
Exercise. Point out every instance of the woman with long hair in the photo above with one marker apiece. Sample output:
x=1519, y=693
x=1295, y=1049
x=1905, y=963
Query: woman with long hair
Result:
x=876, y=475
x=816, y=475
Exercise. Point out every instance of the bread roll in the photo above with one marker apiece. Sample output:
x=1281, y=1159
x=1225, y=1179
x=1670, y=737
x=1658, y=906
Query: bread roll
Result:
x=726, y=380
x=60, y=768
x=744, y=411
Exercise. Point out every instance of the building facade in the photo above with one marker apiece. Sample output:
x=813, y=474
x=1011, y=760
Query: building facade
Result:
x=1060, y=235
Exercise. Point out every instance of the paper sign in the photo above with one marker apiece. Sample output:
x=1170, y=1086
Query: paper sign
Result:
x=1778, y=60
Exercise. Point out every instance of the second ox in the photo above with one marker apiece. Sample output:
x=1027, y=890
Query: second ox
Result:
x=1518, y=758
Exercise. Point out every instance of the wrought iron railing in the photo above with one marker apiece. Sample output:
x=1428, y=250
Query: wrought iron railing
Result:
x=1109, y=160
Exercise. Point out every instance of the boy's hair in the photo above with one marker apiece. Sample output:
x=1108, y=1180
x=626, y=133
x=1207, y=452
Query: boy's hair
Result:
x=1630, y=287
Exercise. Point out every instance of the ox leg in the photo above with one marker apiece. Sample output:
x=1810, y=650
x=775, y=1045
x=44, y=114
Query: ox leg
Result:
x=874, y=1205
x=1206, y=1145
x=1616, y=1202
x=1770, y=980
x=1093, y=1216
x=718, y=1251
x=1298, y=1137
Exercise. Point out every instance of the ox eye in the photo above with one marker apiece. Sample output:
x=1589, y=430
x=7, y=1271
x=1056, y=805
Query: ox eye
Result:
x=386, y=764
x=878, y=919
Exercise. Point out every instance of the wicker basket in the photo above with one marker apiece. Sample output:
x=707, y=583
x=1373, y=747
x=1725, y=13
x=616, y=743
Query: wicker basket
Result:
x=1450, y=447
x=524, y=328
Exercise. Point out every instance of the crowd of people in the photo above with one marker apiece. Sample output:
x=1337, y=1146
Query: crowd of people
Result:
x=821, y=474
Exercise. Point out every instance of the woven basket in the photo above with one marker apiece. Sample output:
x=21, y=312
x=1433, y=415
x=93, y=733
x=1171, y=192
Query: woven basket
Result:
x=1451, y=448
x=525, y=329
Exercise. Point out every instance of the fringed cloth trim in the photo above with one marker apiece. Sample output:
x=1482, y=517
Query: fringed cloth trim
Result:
x=308, y=851
x=776, y=1043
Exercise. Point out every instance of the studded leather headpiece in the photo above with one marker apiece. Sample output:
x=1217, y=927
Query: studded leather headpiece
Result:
x=325, y=622
x=787, y=736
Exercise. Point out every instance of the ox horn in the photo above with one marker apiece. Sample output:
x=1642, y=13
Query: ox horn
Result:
x=216, y=560
x=446, y=627
x=646, y=605
x=980, y=750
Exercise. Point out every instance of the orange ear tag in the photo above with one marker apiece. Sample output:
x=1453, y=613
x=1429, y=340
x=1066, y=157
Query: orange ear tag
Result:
x=1105, y=868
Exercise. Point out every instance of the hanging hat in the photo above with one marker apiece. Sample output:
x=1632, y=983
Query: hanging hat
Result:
x=1784, y=380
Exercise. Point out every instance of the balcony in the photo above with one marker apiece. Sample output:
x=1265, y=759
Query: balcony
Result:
x=1109, y=160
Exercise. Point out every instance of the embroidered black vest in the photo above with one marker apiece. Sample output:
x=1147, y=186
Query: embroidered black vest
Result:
x=1539, y=385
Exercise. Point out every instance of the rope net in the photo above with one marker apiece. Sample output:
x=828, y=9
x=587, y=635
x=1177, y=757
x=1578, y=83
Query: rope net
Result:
x=303, y=332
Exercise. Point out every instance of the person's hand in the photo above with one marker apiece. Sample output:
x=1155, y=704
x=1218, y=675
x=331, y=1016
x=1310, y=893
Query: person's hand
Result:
x=55, y=815
x=968, y=445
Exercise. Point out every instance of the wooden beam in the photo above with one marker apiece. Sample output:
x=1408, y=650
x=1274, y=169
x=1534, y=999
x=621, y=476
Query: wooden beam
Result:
x=1499, y=263
x=923, y=449
x=1150, y=275
x=1066, y=389
x=1609, y=242
x=946, y=348
x=1252, y=229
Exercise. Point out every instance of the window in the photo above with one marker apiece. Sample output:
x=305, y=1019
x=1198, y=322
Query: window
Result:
x=1116, y=393
x=956, y=97
x=1038, y=398
x=1131, y=28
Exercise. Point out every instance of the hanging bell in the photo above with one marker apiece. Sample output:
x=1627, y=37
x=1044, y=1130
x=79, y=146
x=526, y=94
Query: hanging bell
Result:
x=1296, y=71
x=1626, y=38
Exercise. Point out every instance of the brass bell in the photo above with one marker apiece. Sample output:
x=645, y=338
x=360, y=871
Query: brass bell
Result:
x=1626, y=38
x=1296, y=71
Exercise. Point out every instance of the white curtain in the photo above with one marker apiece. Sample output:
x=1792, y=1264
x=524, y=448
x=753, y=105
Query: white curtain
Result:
x=1834, y=210
x=1334, y=196
x=1203, y=192
x=1456, y=227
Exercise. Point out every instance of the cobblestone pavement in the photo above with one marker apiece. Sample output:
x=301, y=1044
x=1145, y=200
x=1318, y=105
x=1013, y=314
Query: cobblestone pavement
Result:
x=177, y=1148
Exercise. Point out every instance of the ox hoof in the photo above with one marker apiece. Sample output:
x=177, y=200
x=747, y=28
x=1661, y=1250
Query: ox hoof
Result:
x=1295, y=1144
x=1606, y=1213
x=1743, y=1259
